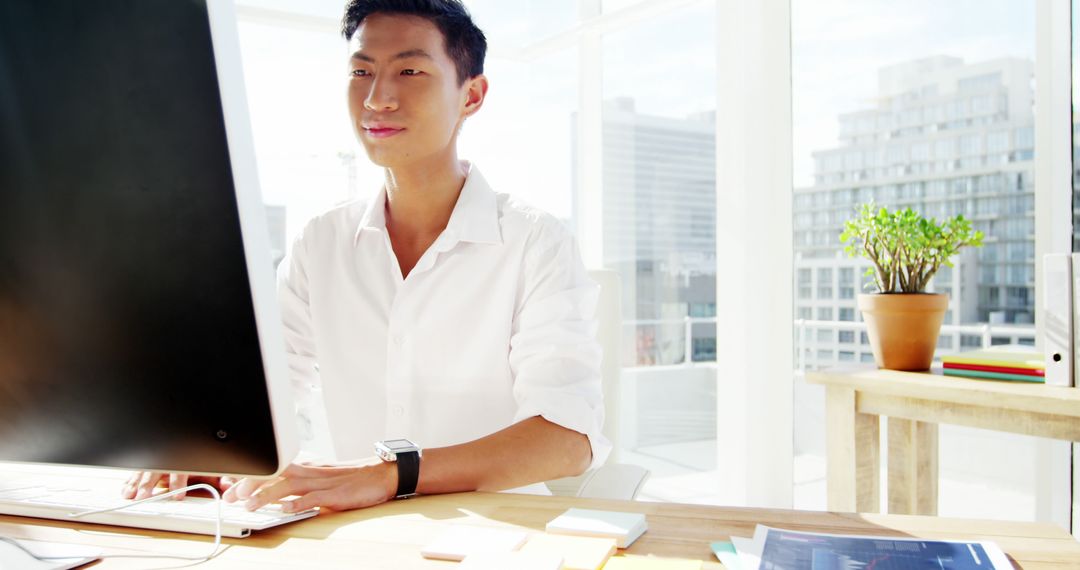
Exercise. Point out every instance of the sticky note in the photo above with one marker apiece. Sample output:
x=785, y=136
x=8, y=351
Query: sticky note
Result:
x=727, y=554
x=516, y=560
x=625, y=528
x=461, y=541
x=577, y=552
x=651, y=563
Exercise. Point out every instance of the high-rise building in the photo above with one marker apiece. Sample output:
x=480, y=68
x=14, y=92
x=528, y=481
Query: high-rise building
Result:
x=659, y=217
x=944, y=138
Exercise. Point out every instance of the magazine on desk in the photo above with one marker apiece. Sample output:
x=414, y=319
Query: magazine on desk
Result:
x=778, y=549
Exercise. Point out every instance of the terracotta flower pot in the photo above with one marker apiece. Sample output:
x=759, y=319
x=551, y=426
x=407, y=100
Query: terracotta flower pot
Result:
x=903, y=327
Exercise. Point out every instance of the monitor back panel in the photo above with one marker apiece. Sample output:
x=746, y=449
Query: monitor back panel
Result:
x=127, y=330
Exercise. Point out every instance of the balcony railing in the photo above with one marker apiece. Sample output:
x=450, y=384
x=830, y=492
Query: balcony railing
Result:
x=648, y=348
x=655, y=342
x=989, y=335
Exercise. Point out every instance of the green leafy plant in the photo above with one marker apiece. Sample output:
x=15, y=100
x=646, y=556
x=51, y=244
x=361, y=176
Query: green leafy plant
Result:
x=905, y=248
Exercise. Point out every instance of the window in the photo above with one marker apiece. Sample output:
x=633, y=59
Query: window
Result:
x=846, y=283
x=702, y=309
x=659, y=171
x=805, y=287
x=704, y=349
x=997, y=142
x=1017, y=297
x=824, y=282
x=845, y=356
x=847, y=337
x=954, y=133
x=1025, y=137
x=308, y=158
x=657, y=155
x=970, y=341
x=982, y=82
x=970, y=145
x=825, y=335
x=945, y=149
x=824, y=313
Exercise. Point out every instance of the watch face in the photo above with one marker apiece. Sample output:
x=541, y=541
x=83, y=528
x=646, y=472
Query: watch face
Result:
x=398, y=445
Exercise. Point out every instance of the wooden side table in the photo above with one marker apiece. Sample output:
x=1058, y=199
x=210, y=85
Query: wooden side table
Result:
x=915, y=403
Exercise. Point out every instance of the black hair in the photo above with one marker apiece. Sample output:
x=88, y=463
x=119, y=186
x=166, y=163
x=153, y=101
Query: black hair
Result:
x=464, y=42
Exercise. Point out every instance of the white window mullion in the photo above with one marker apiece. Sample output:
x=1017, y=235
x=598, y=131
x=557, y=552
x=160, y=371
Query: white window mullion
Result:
x=754, y=252
x=589, y=206
x=1053, y=219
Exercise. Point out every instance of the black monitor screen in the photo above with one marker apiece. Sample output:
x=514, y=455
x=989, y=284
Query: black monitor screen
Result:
x=127, y=328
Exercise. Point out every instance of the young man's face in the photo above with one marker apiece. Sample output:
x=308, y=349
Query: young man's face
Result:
x=404, y=97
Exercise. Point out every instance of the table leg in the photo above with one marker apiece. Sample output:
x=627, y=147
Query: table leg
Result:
x=913, y=467
x=853, y=454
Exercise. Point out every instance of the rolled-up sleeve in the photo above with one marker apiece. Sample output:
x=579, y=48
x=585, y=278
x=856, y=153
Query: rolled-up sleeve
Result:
x=554, y=355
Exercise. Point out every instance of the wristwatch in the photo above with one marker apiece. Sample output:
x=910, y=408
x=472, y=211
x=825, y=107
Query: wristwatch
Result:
x=406, y=455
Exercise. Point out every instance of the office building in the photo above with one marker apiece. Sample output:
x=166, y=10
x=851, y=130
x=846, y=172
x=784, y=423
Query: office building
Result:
x=659, y=216
x=945, y=137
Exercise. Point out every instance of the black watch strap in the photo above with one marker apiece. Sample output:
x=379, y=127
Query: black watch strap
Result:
x=408, y=473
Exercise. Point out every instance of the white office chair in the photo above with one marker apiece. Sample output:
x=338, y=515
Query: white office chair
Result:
x=613, y=480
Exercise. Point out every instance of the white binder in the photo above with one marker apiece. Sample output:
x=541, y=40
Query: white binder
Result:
x=1057, y=312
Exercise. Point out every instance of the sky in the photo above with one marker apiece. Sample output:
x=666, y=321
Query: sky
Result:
x=522, y=138
x=838, y=46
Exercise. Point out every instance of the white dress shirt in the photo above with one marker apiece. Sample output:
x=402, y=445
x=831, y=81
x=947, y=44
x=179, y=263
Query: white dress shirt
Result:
x=494, y=325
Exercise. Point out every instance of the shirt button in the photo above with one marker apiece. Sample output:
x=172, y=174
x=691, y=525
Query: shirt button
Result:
x=399, y=339
x=398, y=411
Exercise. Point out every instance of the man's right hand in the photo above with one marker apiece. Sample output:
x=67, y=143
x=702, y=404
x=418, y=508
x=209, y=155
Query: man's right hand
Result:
x=141, y=484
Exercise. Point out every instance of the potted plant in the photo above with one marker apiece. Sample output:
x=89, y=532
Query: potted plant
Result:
x=906, y=250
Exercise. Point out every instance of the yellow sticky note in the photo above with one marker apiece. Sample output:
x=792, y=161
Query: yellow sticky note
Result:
x=517, y=560
x=651, y=563
x=577, y=552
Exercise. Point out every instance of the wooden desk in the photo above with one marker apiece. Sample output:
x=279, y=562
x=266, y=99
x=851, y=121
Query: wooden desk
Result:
x=390, y=536
x=915, y=404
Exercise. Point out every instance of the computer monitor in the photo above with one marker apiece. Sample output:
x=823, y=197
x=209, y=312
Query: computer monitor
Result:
x=139, y=326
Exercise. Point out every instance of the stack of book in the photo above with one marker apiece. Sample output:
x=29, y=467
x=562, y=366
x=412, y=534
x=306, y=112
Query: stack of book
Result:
x=997, y=364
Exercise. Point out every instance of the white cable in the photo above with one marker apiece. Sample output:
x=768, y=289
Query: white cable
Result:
x=217, y=533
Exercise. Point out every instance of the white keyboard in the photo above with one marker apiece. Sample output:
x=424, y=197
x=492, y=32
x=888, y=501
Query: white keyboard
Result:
x=53, y=497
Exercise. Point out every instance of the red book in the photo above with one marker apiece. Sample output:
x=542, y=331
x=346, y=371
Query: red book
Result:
x=1001, y=369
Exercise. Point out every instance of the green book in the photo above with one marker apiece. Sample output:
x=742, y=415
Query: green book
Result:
x=980, y=374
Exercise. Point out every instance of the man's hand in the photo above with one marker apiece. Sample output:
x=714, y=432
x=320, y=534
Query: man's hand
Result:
x=338, y=488
x=141, y=484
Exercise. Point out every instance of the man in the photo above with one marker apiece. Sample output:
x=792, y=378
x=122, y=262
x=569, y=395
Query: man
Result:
x=439, y=311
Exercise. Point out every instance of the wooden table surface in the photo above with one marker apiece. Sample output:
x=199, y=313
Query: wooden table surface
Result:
x=390, y=536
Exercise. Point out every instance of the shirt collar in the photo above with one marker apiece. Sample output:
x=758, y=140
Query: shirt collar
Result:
x=374, y=216
x=475, y=217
